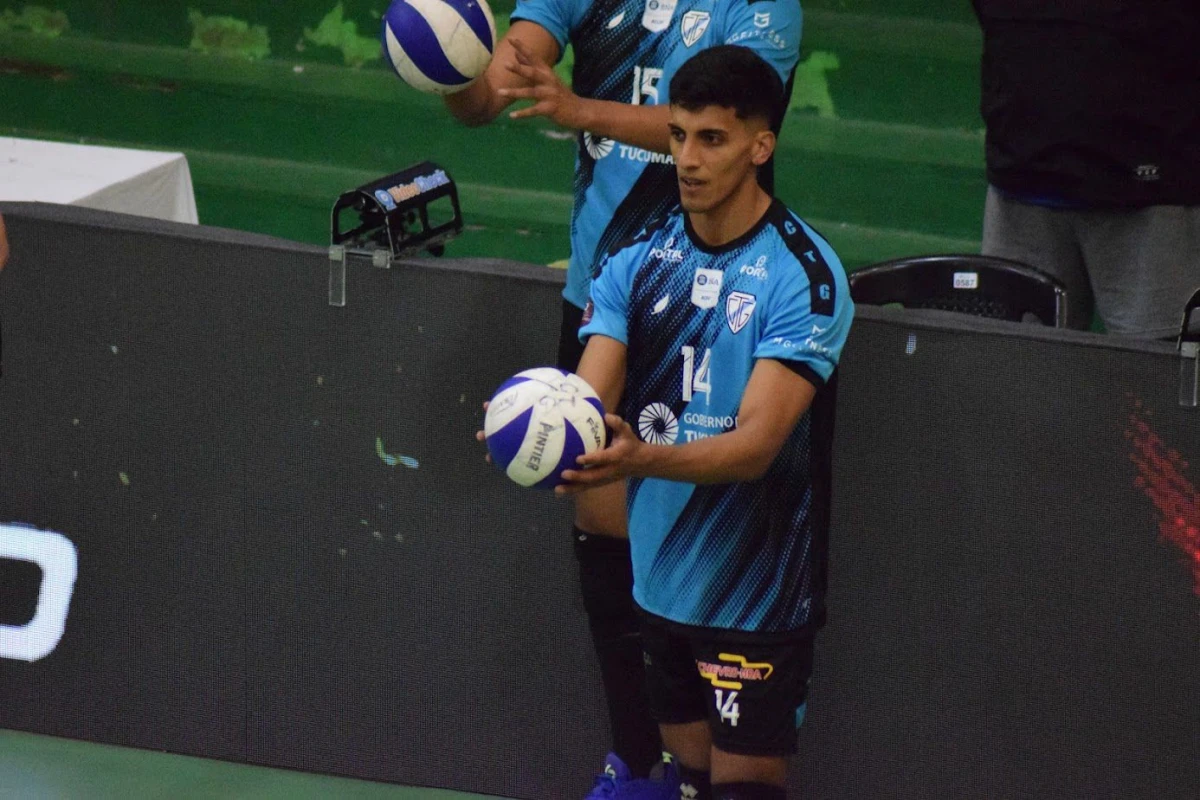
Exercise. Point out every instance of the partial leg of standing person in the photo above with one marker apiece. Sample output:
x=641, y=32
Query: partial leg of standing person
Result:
x=606, y=582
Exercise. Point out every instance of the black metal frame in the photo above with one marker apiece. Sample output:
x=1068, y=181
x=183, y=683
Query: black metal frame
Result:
x=393, y=213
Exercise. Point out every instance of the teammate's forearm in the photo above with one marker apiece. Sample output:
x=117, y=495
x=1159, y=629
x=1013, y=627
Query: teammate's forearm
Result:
x=640, y=126
x=476, y=105
x=733, y=457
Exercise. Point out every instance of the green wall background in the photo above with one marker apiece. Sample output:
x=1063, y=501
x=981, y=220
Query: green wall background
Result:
x=282, y=106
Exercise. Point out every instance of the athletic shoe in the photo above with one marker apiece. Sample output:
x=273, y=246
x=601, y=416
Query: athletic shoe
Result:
x=618, y=783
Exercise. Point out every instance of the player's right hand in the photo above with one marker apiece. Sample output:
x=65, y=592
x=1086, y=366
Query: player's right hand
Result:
x=551, y=97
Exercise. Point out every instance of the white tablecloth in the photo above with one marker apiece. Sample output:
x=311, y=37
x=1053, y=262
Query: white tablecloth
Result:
x=142, y=182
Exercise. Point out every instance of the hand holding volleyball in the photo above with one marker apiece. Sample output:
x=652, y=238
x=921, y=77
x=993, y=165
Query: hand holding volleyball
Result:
x=540, y=421
x=438, y=46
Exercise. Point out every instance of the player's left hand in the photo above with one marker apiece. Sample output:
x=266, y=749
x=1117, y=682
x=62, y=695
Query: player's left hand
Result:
x=614, y=463
x=551, y=97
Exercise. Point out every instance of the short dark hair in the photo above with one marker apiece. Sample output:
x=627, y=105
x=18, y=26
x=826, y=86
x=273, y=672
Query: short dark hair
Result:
x=731, y=77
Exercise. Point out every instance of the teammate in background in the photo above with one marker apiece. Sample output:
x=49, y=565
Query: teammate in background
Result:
x=626, y=52
x=719, y=328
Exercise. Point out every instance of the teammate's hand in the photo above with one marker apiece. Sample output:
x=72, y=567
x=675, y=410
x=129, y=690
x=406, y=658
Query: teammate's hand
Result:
x=551, y=97
x=480, y=436
x=614, y=463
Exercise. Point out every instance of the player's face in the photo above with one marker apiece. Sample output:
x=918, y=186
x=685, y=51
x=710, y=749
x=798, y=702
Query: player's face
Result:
x=716, y=154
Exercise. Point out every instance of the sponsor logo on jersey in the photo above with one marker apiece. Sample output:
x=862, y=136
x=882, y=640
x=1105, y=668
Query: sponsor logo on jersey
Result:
x=597, y=146
x=615, y=21
x=657, y=424
x=706, y=287
x=657, y=16
x=643, y=156
x=725, y=423
x=771, y=37
x=667, y=252
x=661, y=305
x=739, y=306
x=816, y=347
x=692, y=26
x=762, y=19
x=809, y=343
x=759, y=270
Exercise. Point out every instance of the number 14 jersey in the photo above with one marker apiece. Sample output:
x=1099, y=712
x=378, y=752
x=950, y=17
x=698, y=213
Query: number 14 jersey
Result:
x=695, y=319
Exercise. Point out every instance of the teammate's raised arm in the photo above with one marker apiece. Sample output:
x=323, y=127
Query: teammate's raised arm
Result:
x=482, y=102
x=637, y=125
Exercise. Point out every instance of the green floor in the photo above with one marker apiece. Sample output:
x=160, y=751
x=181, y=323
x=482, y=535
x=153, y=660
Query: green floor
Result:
x=48, y=768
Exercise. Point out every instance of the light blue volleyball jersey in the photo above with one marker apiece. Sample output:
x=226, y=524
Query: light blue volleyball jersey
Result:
x=627, y=51
x=748, y=556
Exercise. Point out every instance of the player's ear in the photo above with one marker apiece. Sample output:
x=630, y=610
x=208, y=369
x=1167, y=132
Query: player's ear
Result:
x=763, y=147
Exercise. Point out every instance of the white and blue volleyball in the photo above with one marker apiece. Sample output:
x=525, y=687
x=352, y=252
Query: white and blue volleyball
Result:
x=439, y=46
x=540, y=421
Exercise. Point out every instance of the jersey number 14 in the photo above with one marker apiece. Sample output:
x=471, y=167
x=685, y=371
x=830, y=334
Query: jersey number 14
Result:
x=696, y=380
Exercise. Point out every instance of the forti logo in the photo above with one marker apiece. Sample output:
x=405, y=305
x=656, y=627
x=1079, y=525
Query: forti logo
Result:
x=58, y=560
x=732, y=671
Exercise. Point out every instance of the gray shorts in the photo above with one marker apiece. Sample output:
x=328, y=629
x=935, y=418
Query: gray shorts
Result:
x=1137, y=268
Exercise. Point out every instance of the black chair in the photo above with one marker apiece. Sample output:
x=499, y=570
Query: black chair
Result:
x=983, y=286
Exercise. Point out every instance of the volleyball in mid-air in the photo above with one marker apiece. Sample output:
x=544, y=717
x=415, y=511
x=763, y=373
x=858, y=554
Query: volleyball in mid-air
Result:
x=540, y=421
x=439, y=46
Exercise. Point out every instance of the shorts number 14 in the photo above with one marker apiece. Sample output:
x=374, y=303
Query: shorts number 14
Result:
x=727, y=707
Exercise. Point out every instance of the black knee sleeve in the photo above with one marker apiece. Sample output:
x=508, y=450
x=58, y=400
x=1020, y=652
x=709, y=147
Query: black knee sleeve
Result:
x=606, y=582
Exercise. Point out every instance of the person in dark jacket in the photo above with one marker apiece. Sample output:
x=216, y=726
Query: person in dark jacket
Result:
x=1093, y=152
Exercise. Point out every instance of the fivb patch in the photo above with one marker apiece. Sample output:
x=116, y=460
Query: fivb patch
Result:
x=657, y=16
x=739, y=307
x=692, y=26
x=706, y=287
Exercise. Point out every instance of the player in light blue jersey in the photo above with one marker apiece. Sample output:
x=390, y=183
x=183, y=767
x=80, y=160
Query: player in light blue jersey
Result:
x=718, y=329
x=626, y=52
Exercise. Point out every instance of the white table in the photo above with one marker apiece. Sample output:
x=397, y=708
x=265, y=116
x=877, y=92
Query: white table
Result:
x=141, y=182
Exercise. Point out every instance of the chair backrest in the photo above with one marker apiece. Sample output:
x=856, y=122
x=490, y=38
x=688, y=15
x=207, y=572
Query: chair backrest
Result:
x=984, y=286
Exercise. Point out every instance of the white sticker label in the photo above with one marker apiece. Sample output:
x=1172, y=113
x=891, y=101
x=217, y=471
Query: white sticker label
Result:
x=657, y=17
x=56, y=556
x=966, y=280
x=706, y=287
